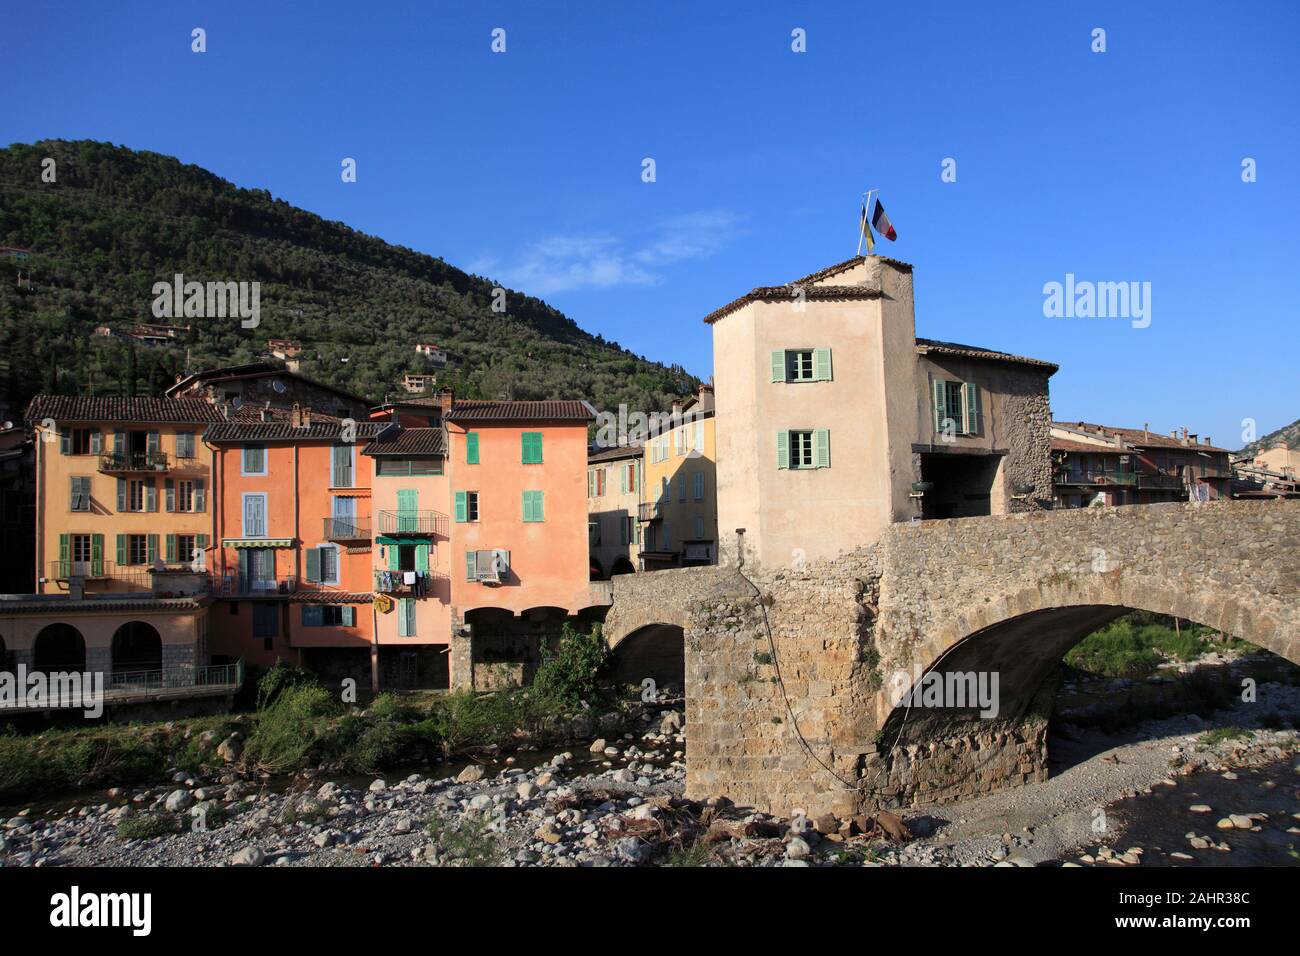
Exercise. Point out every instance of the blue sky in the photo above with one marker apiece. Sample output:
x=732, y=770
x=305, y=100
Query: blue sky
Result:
x=526, y=166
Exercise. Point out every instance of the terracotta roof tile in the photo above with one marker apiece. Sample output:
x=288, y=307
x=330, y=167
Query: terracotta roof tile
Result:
x=409, y=442
x=283, y=431
x=87, y=408
x=932, y=346
x=1139, y=438
x=475, y=410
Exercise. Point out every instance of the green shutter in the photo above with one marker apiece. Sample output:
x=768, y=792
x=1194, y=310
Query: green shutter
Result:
x=65, y=555
x=169, y=494
x=394, y=557
x=822, y=448
x=973, y=416
x=121, y=550
x=200, y=495
x=96, y=442
x=422, y=557
x=591, y=483
x=470, y=566
x=778, y=366
x=97, y=555
x=153, y=442
x=150, y=495
x=349, y=616
x=151, y=544
x=200, y=542
x=528, y=506
x=313, y=564
x=462, y=510
x=822, y=365
x=940, y=404
x=783, y=449
x=65, y=443
x=622, y=476
x=121, y=494
x=169, y=549
x=539, y=506
x=531, y=448
x=471, y=448
x=407, y=503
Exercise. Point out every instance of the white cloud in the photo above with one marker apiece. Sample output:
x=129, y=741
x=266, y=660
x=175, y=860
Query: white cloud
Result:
x=567, y=263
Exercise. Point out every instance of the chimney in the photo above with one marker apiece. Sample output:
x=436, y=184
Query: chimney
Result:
x=265, y=414
x=446, y=398
x=306, y=416
x=295, y=415
x=1146, y=431
x=1207, y=440
x=1174, y=434
x=1193, y=439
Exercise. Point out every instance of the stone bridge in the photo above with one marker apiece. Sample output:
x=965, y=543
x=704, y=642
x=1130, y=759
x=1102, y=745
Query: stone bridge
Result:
x=791, y=675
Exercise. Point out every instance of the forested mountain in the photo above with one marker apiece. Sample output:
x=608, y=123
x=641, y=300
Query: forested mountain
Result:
x=116, y=221
x=1288, y=433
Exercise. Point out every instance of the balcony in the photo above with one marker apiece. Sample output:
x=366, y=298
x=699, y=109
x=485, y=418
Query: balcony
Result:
x=130, y=463
x=347, y=529
x=1161, y=482
x=1086, y=476
x=413, y=522
x=391, y=582
x=103, y=575
x=649, y=511
x=240, y=585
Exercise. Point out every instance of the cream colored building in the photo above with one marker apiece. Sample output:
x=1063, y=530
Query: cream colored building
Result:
x=614, y=479
x=838, y=420
x=679, y=503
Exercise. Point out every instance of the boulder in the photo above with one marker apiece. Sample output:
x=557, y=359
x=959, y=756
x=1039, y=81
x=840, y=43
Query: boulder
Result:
x=248, y=856
x=178, y=800
x=471, y=774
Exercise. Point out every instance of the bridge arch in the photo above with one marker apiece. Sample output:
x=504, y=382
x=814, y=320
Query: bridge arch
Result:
x=59, y=647
x=137, y=646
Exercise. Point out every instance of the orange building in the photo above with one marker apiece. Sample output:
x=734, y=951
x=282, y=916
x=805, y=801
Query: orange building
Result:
x=293, y=532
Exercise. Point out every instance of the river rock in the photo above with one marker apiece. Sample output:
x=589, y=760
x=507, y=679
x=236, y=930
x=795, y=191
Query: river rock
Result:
x=471, y=774
x=671, y=723
x=248, y=856
x=1200, y=808
x=526, y=790
x=632, y=849
x=178, y=800
x=797, y=849
x=378, y=786
x=231, y=748
x=597, y=746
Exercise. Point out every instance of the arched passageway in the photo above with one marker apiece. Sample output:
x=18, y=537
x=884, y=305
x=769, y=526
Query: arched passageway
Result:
x=137, y=646
x=59, y=647
x=622, y=565
x=655, y=651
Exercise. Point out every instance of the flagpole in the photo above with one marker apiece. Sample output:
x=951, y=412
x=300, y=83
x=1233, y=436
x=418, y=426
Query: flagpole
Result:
x=866, y=214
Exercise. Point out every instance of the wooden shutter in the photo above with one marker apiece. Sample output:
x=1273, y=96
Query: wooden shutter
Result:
x=471, y=448
x=151, y=495
x=539, y=506
x=591, y=483
x=973, y=416
x=822, y=365
x=169, y=494
x=349, y=616
x=169, y=549
x=394, y=557
x=783, y=449
x=531, y=448
x=201, y=544
x=121, y=550
x=940, y=404
x=96, y=442
x=462, y=510
x=422, y=557
x=200, y=495
x=313, y=564
x=822, y=448
x=778, y=366
x=96, y=554
x=121, y=494
x=151, y=548
x=341, y=476
x=471, y=566
x=407, y=502
x=119, y=442
x=153, y=442
x=65, y=555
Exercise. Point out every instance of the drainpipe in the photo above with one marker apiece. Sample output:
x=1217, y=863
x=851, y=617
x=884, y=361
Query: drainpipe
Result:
x=374, y=649
x=40, y=511
x=297, y=542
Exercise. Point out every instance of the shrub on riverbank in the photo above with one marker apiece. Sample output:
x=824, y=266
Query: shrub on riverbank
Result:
x=1135, y=645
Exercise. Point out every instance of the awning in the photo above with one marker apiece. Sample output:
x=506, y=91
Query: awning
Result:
x=257, y=542
x=397, y=539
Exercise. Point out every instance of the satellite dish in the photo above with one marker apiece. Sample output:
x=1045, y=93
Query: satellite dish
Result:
x=278, y=386
x=8, y=425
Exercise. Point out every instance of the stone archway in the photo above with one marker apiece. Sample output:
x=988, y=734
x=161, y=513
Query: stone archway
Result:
x=137, y=647
x=656, y=652
x=59, y=648
x=622, y=565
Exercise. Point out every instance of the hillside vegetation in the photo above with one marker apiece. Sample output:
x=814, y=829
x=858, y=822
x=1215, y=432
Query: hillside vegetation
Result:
x=117, y=220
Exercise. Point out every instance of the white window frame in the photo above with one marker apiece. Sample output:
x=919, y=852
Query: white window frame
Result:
x=337, y=569
x=243, y=461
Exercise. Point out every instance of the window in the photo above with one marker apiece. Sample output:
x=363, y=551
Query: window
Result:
x=698, y=491
x=184, y=494
x=699, y=527
x=679, y=440
x=136, y=495
x=266, y=620
x=80, y=493
x=492, y=566
x=180, y=548
x=596, y=482
x=341, y=466
x=803, y=449
x=253, y=460
x=404, y=467
x=533, y=510
x=405, y=617
x=681, y=488
x=84, y=441
x=629, y=531
x=630, y=477
x=328, y=615
x=699, y=438
x=801, y=365
x=471, y=448
x=254, y=517
x=531, y=448
x=958, y=403
x=323, y=564
x=466, y=506
x=185, y=444
x=81, y=548
x=138, y=549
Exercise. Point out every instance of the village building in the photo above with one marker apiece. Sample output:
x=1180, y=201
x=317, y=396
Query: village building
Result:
x=679, y=508
x=1104, y=465
x=840, y=421
x=614, y=480
x=268, y=384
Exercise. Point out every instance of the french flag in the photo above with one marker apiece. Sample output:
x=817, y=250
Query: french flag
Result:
x=880, y=222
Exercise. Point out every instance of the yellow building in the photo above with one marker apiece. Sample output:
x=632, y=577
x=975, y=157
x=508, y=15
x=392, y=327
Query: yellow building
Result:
x=679, y=499
x=123, y=489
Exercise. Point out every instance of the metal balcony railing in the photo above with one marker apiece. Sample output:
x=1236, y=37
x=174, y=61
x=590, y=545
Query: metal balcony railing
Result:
x=1161, y=482
x=413, y=522
x=118, y=462
x=103, y=574
x=240, y=585
x=650, y=511
x=1086, y=476
x=347, y=529
x=219, y=675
